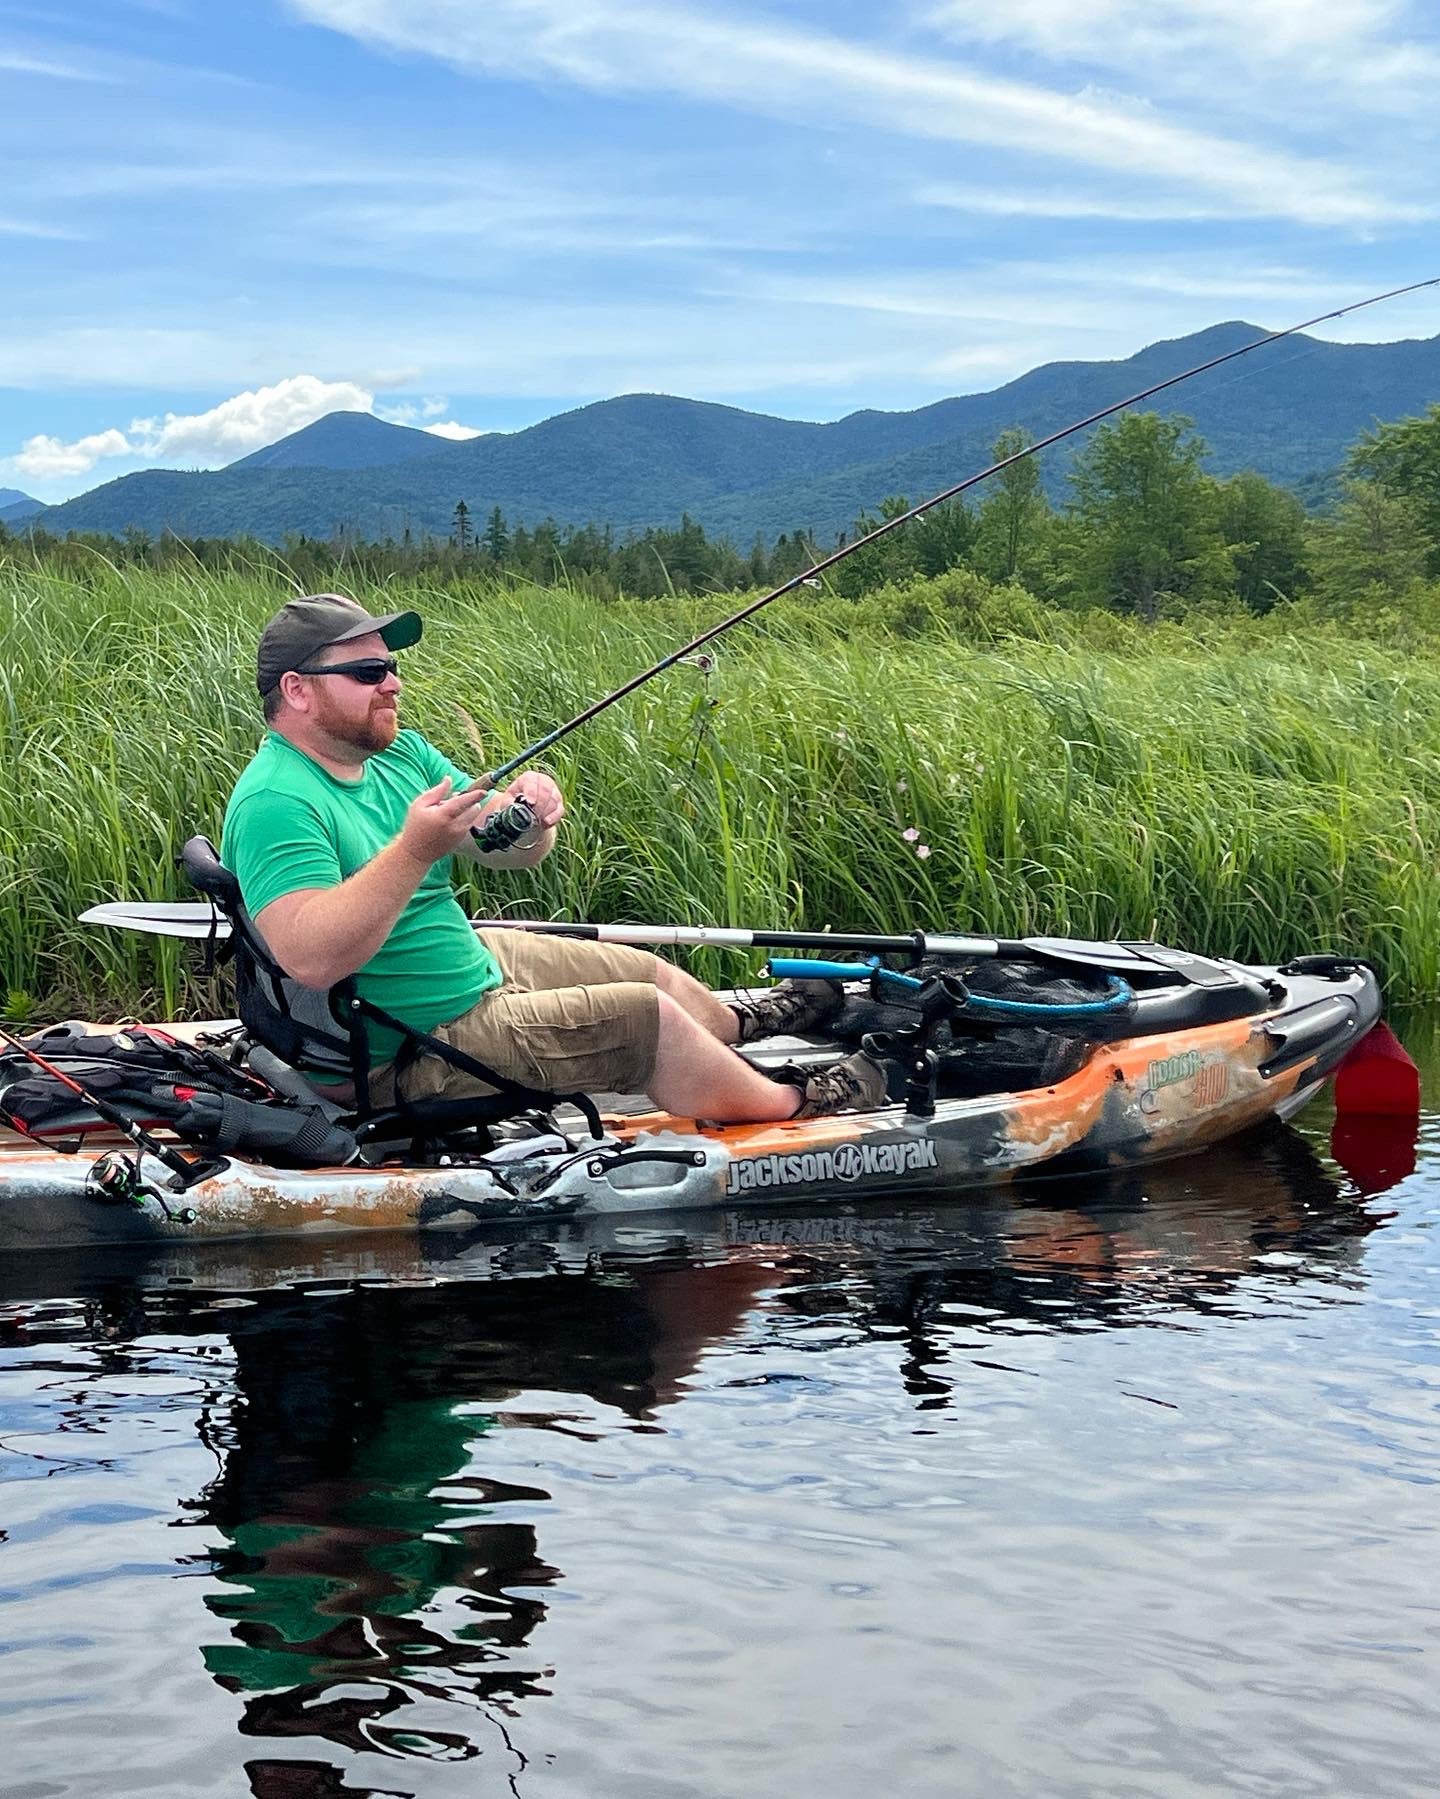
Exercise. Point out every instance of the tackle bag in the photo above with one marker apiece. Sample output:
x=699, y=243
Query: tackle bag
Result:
x=157, y=1081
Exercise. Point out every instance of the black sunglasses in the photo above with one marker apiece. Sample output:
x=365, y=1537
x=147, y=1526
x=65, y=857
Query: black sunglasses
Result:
x=369, y=671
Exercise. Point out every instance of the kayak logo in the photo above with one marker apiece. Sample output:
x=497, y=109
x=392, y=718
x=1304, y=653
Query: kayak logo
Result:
x=1174, y=1068
x=1210, y=1073
x=846, y=1163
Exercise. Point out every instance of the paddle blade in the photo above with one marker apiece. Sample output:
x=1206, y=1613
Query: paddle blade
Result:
x=1378, y=1077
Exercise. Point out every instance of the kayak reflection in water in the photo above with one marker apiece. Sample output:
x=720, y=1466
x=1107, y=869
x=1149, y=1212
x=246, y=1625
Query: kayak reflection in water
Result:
x=1178, y=1237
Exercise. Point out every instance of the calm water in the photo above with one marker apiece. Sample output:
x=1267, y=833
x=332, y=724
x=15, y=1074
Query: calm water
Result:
x=1104, y=1489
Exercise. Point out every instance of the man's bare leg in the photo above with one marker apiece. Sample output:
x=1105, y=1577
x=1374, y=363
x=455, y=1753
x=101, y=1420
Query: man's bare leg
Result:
x=697, y=1076
x=699, y=1002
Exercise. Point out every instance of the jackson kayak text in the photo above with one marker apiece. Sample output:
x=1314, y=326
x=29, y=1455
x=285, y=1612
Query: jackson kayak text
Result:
x=846, y=1162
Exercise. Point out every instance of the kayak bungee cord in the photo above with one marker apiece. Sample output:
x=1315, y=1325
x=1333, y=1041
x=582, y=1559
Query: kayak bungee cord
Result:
x=506, y=826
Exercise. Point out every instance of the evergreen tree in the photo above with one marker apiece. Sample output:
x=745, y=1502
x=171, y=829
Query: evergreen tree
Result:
x=496, y=536
x=460, y=528
x=944, y=537
x=891, y=559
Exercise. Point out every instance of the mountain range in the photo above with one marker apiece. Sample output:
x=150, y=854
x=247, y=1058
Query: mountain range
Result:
x=1290, y=411
x=15, y=506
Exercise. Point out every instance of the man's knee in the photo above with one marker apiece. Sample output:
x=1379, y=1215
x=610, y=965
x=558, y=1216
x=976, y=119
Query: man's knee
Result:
x=675, y=1021
x=672, y=980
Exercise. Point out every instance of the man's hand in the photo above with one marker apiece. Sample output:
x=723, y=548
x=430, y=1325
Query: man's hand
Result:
x=439, y=821
x=542, y=795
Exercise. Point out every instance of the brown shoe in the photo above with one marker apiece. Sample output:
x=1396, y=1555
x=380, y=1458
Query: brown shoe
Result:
x=858, y=1084
x=789, y=1009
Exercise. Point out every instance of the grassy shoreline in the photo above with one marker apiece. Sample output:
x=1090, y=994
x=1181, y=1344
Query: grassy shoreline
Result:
x=1247, y=787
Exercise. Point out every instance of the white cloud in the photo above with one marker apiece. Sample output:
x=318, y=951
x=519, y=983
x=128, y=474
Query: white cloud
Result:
x=761, y=65
x=1083, y=294
x=48, y=458
x=247, y=421
x=226, y=432
x=456, y=432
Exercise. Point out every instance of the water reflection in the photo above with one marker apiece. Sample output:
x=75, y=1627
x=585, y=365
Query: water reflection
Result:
x=379, y=1577
x=1058, y=1257
x=349, y=1502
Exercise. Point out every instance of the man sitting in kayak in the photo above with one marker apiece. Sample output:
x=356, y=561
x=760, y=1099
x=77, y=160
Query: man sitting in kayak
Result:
x=339, y=831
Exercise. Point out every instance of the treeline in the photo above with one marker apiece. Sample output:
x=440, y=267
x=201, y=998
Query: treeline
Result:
x=1143, y=530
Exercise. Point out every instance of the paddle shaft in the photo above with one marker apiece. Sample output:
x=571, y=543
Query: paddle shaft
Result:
x=539, y=747
x=916, y=943
x=706, y=936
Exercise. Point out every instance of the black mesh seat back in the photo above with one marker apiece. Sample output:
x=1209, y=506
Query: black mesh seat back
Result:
x=296, y=1022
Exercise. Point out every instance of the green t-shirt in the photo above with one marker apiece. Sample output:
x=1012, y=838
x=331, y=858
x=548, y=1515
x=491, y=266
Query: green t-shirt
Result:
x=290, y=824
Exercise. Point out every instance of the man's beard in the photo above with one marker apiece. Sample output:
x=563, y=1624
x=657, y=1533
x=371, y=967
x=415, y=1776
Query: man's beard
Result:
x=374, y=732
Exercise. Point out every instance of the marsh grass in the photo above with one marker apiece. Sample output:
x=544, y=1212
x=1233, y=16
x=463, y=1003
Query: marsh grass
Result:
x=1238, y=788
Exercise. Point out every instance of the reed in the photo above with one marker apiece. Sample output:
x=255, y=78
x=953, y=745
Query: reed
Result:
x=1251, y=788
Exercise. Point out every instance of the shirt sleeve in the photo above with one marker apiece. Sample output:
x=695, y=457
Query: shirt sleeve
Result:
x=437, y=765
x=276, y=844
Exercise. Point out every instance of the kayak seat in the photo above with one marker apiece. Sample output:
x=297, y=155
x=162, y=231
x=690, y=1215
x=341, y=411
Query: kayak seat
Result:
x=323, y=1035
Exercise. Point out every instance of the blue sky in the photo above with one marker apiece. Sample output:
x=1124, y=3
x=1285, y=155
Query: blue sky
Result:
x=219, y=222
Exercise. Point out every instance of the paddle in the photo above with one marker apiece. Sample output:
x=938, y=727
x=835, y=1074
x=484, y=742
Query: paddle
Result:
x=195, y=919
x=1150, y=958
x=160, y=918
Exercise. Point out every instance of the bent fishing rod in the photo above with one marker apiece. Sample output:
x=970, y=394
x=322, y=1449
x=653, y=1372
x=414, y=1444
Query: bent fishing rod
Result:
x=505, y=827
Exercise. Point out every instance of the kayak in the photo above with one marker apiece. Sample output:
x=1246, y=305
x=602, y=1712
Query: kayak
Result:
x=1204, y=1050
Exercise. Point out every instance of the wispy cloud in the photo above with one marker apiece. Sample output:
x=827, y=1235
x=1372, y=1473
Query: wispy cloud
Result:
x=997, y=203
x=34, y=228
x=1380, y=55
x=19, y=62
x=363, y=209
x=761, y=65
x=1081, y=292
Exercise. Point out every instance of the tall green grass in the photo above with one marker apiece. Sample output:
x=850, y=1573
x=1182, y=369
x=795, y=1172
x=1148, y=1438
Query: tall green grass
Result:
x=1248, y=789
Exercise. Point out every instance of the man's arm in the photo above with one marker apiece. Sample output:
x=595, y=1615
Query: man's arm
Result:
x=319, y=935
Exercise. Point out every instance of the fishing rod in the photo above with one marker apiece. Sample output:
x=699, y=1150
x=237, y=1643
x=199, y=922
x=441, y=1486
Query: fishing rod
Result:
x=113, y=1178
x=519, y=815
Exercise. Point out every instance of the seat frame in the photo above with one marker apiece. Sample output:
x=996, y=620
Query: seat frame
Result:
x=323, y=1032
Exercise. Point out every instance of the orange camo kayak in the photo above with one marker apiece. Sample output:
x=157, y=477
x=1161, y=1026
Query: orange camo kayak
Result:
x=1166, y=1088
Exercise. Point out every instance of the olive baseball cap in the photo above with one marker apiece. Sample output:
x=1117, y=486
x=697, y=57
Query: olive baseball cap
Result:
x=304, y=627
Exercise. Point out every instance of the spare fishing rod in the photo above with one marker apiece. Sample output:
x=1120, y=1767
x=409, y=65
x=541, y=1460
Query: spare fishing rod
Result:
x=112, y=1177
x=507, y=825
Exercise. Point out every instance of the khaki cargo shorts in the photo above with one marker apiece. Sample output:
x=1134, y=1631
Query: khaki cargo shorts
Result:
x=570, y=1017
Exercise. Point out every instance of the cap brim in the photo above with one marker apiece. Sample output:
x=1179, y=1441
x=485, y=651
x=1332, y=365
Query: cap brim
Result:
x=399, y=629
